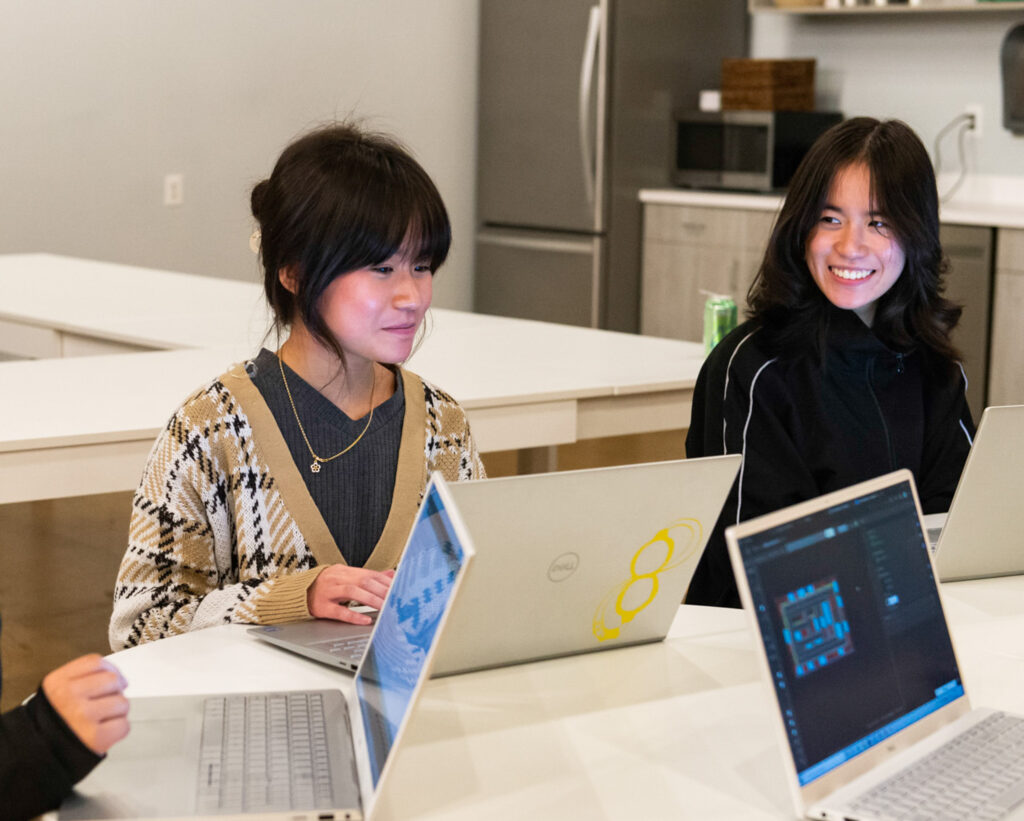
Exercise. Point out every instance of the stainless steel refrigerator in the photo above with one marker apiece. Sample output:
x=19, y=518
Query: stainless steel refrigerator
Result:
x=575, y=116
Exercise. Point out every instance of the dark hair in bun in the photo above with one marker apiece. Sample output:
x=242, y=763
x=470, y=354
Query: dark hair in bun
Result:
x=340, y=199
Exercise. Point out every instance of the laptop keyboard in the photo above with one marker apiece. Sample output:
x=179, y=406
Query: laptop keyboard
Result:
x=351, y=647
x=264, y=752
x=979, y=774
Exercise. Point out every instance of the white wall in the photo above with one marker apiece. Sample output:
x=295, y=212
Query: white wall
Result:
x=100, y=99
x=922, y=68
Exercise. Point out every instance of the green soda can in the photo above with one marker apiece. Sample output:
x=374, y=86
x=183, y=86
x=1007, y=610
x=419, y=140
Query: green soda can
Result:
x=719, y=319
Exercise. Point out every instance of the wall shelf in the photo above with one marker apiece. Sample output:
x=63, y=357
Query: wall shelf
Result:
x=768, y=6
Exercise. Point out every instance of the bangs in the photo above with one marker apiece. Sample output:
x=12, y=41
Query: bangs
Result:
x=395, y=209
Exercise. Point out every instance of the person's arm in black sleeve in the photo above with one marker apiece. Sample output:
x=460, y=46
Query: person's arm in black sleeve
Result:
x=41, y=759
x=760, y=421
x=948, y=436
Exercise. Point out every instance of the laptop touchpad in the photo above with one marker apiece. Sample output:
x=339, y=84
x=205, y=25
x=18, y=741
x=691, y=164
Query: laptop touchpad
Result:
x=145, y=775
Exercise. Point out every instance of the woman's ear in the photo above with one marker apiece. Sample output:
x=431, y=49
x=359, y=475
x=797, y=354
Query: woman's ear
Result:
x=288, y=275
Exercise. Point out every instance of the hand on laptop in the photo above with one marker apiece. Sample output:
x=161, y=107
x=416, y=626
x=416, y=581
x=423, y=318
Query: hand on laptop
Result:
x=88, y=693
x=339, y=584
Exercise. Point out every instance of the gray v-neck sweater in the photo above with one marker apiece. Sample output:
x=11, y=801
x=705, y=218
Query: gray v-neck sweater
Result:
x=354, y=491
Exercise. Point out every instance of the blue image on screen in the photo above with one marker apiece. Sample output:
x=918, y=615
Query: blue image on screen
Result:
x=407, y=627
x=814, y=626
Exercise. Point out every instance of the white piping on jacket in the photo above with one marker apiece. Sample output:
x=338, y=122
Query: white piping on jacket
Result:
x=725, y=390
x=963, y=373
x=743, y=460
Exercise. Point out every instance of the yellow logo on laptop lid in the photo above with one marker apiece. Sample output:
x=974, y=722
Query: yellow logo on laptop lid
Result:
x=668, y=548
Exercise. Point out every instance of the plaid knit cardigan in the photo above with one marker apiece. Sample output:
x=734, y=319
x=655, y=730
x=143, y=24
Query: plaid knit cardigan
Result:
x=223, y=528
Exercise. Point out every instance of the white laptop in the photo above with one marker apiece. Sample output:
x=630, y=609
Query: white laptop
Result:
x=308, y=755
x=982, y=535
x=850, y=630
x=578, y=561
x=566, y=562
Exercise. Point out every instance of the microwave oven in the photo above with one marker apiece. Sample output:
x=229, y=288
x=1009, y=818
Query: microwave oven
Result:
x=744, y=150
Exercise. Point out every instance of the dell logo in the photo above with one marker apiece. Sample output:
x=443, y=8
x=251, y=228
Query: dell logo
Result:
x=563, y=567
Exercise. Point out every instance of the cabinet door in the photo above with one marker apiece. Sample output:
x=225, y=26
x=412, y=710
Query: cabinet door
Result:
x=969, y=283
x=1006, y=353
x=691, y=249
x=674, y=276
x=1006, y=368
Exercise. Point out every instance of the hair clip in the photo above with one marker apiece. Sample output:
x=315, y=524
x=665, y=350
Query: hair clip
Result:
x=254, y=241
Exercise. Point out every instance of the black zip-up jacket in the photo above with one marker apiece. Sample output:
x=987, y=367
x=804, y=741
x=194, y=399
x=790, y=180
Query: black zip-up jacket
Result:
x=806, y=428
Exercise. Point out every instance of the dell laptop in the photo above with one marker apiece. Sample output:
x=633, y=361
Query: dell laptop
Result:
x=566, y=562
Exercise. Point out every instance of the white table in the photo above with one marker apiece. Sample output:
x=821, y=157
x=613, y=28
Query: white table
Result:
x=126, y=345
x=679, y=729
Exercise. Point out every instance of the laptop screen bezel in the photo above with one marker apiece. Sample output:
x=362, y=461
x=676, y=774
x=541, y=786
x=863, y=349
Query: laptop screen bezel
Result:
x=812, y=793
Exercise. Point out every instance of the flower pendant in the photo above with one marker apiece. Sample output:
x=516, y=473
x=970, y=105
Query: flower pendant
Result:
x=315, y=467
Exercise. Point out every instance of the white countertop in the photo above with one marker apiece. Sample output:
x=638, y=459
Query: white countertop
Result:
x=524, y=384
x=982, y=200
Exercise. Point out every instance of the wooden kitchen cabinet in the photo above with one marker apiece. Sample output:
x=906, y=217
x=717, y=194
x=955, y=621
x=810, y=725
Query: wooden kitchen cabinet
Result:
x=1006, y=351
x=688, y=249
x=892, y=7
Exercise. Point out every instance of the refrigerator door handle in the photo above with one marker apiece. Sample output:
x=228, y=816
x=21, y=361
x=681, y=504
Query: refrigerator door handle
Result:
x=586, y=84
x=558, y=246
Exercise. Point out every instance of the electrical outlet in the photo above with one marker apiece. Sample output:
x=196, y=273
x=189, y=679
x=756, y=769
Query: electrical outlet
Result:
x=174, y=189
x=974, y=109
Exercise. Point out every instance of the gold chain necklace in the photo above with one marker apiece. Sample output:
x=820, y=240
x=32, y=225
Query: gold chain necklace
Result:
x=318, y=460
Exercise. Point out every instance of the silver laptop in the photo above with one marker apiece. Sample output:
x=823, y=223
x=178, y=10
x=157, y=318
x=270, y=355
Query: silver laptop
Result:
x=982, y=535
x=578, y=561
x=565, y=563
x=304, y=755
x=330, y=642
x=853, y=640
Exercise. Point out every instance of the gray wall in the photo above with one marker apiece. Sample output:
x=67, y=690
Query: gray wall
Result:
x=100, y=99
x=922, y=68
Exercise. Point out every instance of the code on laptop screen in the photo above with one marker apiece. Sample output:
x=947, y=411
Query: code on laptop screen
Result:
x=852, y=625
x=407, y=628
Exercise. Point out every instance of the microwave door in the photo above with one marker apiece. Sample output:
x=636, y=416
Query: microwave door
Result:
x=747, y=154
x=699, y=152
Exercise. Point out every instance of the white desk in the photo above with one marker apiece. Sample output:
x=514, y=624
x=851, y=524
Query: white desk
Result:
x=679, y=729
x=135, y=342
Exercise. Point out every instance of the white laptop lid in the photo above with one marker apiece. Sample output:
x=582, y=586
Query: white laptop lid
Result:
x=578, y=561
x=982, y=534
x=398, y=658
x=850, y=630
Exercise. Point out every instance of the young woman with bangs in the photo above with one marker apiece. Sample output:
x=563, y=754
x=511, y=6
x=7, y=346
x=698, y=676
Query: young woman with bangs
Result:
x=286, y=487
x=844, y=369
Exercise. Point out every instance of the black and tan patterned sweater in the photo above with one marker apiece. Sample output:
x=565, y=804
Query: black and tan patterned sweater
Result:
x=223, y=527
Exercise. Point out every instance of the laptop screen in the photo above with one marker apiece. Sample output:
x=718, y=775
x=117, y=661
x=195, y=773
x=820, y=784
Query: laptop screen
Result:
x=853, y=629
x=407, y=626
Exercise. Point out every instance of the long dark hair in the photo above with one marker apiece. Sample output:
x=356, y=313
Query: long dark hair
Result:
x=913, y=311
x=340, y=199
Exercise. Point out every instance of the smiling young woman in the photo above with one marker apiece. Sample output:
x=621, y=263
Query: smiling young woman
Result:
x=286, y=487
x=844, y=369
